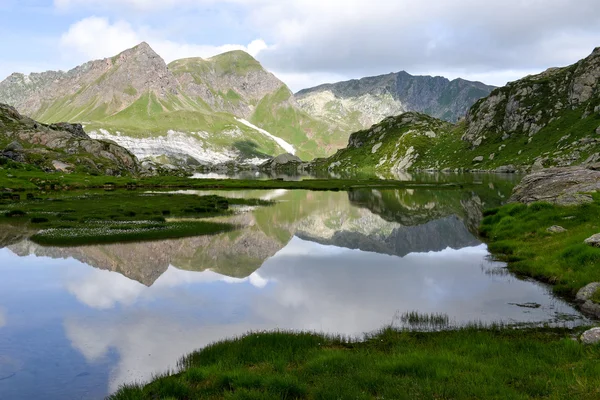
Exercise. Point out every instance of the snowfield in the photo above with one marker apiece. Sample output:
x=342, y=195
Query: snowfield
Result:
x=284, y=145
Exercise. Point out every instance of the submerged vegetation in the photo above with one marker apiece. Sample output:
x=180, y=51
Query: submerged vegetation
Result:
x=109, y=217
x=468, y=363
x=519, y=234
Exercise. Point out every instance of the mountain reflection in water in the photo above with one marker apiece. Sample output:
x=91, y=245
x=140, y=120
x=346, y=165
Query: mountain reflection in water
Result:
x=78, y=322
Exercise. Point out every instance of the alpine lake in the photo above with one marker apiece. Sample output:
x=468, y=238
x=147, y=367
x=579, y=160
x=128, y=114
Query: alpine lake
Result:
x=80, y=321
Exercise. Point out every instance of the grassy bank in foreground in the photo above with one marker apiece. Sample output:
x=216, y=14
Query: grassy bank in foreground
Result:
x=69, y=219
x=518, y=234
x=26, y=180
x=470, y=363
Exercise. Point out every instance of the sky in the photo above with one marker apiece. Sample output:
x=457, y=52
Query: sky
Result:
x=309, y=42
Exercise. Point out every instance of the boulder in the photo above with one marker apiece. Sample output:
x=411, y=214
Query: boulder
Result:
x=14, y=146
x=591, y=336
x=506, y=169
x=280, y=161
x=478, y=159
x=556, y=229
x=586, y=292
x=584, y=296
x=563, y=186
x=62, y=166
x=594, y=240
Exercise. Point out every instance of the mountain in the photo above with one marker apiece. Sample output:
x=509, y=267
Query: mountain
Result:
x=223, y=109
x=549, y=119
x=358, y=104
x=196, y=110
x=59, y=146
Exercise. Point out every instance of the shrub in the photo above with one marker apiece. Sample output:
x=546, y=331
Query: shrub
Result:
x=38, y=220
x=15, y=213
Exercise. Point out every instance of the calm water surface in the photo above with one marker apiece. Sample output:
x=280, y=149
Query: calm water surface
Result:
x=76, y=323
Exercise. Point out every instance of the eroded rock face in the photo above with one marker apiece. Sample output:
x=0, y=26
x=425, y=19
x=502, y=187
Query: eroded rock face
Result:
x=562, y=186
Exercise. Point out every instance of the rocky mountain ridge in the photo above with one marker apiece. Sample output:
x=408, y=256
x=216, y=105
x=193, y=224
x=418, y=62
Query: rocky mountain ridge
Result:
x=367, y=101
x=549, y=119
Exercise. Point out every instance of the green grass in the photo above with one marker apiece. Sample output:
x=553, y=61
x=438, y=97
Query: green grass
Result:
x=469, y=363
x=517, y=234
x=69, y=219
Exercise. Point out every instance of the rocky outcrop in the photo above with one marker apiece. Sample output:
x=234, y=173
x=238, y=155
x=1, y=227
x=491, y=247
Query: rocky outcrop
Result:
x=54, y=147
x=396, y=144
x=562, y=186
x=526, y=106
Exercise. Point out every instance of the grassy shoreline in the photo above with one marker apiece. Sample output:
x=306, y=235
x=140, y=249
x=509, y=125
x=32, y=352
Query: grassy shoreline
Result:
x=518, y=234
x=467, y=363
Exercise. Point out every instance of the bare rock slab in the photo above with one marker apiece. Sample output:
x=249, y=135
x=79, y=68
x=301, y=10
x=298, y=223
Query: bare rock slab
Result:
x=556, y=229
x=562, y=186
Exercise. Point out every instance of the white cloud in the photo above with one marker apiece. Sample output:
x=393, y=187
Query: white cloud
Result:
x=316, y=41
x=97, y=37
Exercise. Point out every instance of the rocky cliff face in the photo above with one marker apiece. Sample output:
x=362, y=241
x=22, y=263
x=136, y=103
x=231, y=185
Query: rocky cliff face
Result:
x=61, y=146
x=358, y=104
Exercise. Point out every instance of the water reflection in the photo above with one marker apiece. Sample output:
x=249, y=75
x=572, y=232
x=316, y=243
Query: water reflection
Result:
x=84, y=320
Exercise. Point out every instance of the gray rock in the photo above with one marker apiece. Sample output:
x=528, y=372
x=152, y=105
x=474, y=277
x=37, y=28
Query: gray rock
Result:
x=586, y=292
x=593, y=240
x=591, y=336
x=556, y=229
x=282, y=160
x=506, y=169
x=598, y=130
x=564, y=186
x=61, y=166
x=14, y=146
x=575, y=199
x=478, y=159
x=492, y=156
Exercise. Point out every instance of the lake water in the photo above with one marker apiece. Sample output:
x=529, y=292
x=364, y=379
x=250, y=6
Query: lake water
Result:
x=76, y=323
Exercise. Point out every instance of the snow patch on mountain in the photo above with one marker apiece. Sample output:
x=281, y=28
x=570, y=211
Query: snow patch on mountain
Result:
x=284, y=145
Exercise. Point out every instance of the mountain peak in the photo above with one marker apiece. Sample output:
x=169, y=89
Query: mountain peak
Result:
x=141, y=49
